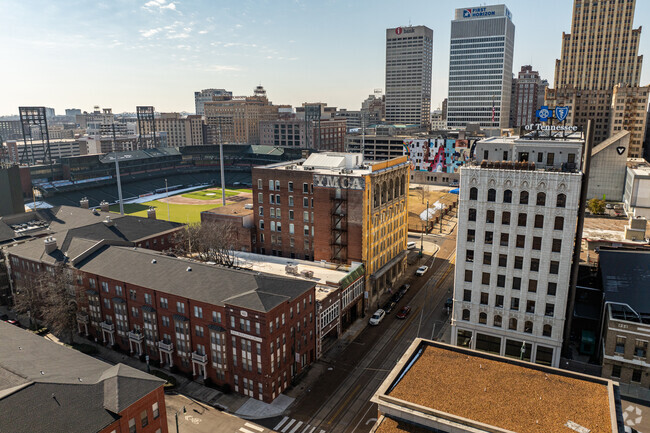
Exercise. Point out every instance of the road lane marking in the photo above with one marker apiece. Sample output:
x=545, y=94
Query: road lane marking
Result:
x=312, y=429
x=245, y=430
x=281, y=422
x=296, y=427
x=254, y=427
x=286, y=427
x=344, y=404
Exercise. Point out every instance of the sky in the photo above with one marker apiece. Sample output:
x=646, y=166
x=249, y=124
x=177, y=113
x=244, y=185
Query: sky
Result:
x=123, y=53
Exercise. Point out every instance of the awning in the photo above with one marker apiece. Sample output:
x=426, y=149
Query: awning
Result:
x=389, y=265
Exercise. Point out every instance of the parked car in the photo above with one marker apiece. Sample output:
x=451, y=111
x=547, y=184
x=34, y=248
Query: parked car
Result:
x=403, y=312
x=377, y=317
x=390, y=306
x=410, y=245
x=421, y=271
x=396, y=297
x=405, y=288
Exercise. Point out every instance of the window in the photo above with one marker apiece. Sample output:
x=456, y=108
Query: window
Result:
x=277, y=199
x=497, y=321
x=148, y=299
x=105, y=286
x=485, y=298
x=488, y=238
x=504, y=239
x=133, y=295
x=537, y=243
x=514, y=304
x=270, y=184
x=501, y=280
x=539, y=221
x=291, y=229
x=482, y=318
x=512, y=324
x=547, y=330
x=503, y=260
x=554, y=268
x=466, y=314
x=640, y=348
x=498, y=301
x=291, y=214
x=550, y=310
x=489, y=216
x=306, y=231
x=198, y=312
x=271, y=198
x=561, y=200
x=541, y=199
x=507, y=196
x=530, y=307
x=557, y=245
x=485, y=278
x=261, y=224
x=487, y=258
x=291, y=201
x=155, y=412
x=198, y=330
x=165, y=321
x=144, y=419
x=616, y=371
x=473, y=193
x=180, y=307
x=523, y=197
x=528, y=327
x=559, y=223
x=290, y=186
x=471, y=215
x=469, y=255
x=521, y=241
x=305, y=188
x=532, y=286
x=467, y=295
x=551, y=289
x=305, y=202
x=260, y=197
x=261, y=211
x=471, y=235
x=492, y=195
x=216, y=317
x=636, y=375
x=505, y=218
x=620, y=344
x=132, y=425
x=521, y=220
x=516, y=283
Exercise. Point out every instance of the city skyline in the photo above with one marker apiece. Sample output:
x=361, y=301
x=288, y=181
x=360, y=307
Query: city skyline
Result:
x=159, y=52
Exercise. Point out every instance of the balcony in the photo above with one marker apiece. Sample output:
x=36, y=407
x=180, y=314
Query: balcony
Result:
x=166, y=347
x=82, y=318
x=136, y=336
x=201, y=359
x=109, y=327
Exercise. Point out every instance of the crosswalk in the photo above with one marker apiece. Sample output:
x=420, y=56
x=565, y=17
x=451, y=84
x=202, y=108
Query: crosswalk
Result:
x=290, y=425
x=251, y=428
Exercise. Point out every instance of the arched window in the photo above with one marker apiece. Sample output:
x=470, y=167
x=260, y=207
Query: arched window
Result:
x=512, y=324
x=482, y=318
x=391, y=188
x=547, y=331
x=497, y=321
x=466, y=314
x=541, y=199
x=561, y=200
x=383, y=193
x=396, y=189
x=528, y=327
x=507, y=196
x=473, y=193
x=376, y=200
x=523, y=197
x=492, y=194
x=402, y=185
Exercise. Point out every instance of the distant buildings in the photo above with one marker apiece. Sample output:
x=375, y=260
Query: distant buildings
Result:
x=598, y=55
x=409, y=56
x=480, y=67
x=51, y=387
x=72, y=112
x=528, y=96
x=207, y=95
x=321, y=134
x=180, y=130
x=516, y=228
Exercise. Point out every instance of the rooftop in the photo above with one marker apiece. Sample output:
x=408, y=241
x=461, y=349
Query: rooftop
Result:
x=350, y=164
x=639, y=166
x=442, y=385
x=239, y=208
x=625, y=277
x=61, y=384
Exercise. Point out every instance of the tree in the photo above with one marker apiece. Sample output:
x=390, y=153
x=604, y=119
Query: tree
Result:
x=28, y=298
x=208, y=242
x=596, y=206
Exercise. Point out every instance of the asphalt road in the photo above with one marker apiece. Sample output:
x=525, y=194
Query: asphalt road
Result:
x=339, y=401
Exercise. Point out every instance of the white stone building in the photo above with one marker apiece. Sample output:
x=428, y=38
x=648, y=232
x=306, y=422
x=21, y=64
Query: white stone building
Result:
x=516, y=228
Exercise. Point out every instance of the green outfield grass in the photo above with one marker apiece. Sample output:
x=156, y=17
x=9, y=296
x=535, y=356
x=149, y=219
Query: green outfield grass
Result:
x=206, y=194
x=181, y=213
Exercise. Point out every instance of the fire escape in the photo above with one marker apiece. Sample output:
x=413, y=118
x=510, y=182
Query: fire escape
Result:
x=339, y=232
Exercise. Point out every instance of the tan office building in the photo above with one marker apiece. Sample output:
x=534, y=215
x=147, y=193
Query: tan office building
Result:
x=181, y=131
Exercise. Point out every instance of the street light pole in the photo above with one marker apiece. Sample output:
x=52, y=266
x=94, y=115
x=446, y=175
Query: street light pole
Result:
x=167, y=198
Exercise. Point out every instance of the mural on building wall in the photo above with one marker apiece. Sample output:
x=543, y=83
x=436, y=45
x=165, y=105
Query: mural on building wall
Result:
x=438, y=155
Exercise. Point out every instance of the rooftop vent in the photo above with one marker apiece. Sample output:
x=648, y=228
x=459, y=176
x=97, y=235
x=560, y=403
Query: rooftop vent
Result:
x=50, y=245
x=108, y=221
x=189, y=269
x=153, y=261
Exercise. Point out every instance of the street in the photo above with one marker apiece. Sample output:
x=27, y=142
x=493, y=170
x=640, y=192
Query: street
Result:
x=339, y=400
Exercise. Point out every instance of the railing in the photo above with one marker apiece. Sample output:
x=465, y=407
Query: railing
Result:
x=110, y=327
x=166, y=347
x=203, y=359
x=136, y=336
x=82, y=318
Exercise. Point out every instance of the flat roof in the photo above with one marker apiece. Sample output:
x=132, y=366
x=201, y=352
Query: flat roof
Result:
x=626, y=277
x=450, y=385
x=238, y=208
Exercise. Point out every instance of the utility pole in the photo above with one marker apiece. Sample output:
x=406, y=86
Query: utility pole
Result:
x=223, y=181
x=167, y=198
x=117, y=172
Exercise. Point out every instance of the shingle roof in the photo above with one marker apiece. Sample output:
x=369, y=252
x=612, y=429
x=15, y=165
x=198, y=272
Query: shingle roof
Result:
x=68, y=390
x=205, y=283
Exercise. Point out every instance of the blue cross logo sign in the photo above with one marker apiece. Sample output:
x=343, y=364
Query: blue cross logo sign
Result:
x=543, y=114
x=561, y=113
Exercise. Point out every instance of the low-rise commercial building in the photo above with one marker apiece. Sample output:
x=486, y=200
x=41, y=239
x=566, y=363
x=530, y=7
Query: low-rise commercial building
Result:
x=241, y=220
x=49, y=387
x=636, y=198
x=608, y=167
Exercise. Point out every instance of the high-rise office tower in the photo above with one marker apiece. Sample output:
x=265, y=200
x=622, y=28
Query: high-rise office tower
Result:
x=409, y=55
x=516, y=228
x=480, y=67
x=528, y=95
x=601, y=52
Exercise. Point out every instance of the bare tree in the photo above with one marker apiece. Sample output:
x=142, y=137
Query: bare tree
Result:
x=28, y=298
x=208, y=242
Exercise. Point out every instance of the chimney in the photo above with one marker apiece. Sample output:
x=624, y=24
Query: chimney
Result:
x=84, y=203
x=151, y=213
x=104, y=206
x=108, y=221
x=50, y=245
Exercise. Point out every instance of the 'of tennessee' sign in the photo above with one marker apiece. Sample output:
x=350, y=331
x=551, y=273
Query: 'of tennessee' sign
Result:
x=345, y=182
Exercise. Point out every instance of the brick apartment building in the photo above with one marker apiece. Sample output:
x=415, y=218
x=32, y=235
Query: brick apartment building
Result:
x=251, y=331
x=49, y=387
x=338, y=208
x=319, y=134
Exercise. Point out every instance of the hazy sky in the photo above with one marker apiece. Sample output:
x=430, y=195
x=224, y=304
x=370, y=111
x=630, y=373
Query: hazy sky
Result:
x=120, y=53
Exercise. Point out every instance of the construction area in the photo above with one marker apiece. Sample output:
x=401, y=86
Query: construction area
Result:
x=442, y=209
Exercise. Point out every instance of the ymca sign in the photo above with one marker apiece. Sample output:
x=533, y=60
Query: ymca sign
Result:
x=344, y=182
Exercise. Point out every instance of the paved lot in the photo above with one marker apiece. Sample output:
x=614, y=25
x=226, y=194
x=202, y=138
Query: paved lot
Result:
x=636, y=416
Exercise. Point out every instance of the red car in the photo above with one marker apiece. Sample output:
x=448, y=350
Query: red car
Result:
x=403, y=312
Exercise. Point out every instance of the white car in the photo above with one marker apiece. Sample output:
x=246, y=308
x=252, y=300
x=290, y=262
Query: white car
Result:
x=377, y=317
x=410, y=245
x=421, y=271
